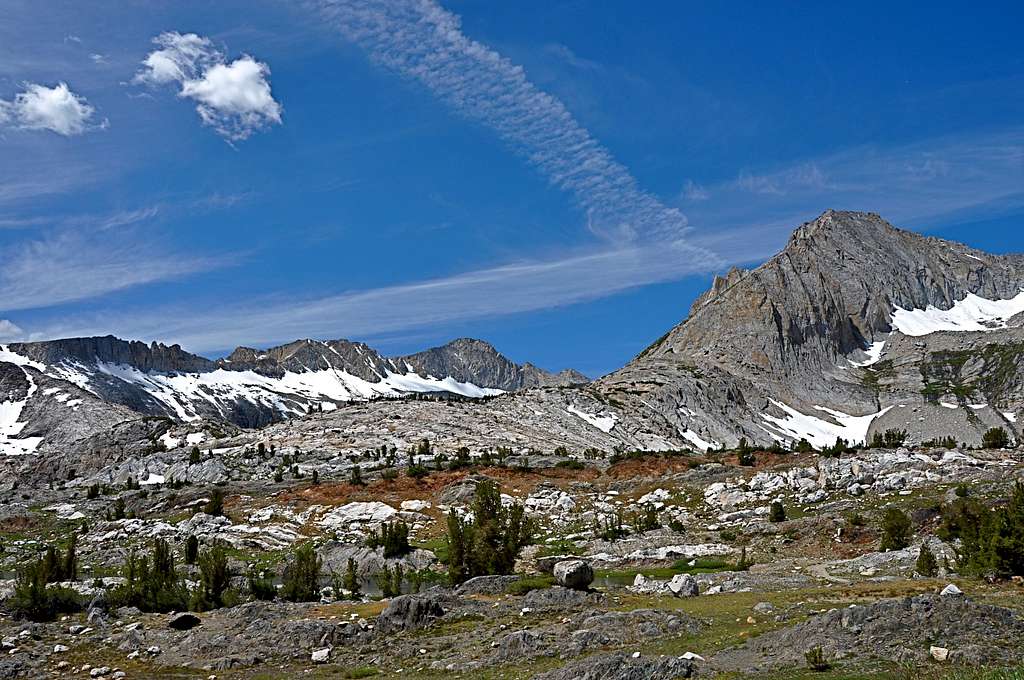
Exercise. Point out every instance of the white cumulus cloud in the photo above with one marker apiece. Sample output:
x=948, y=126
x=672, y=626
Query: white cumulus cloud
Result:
x=9, y=331
x=233, y=97
x=57, y=109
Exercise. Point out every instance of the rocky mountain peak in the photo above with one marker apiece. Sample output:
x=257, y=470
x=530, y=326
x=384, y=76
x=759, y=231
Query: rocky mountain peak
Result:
x=111, y=350
x=842, y=226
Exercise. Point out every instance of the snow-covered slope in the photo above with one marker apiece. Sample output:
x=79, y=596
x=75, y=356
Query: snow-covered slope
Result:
x=193, y=395
x=973, y=313
x=255, y=387
x=12, y=403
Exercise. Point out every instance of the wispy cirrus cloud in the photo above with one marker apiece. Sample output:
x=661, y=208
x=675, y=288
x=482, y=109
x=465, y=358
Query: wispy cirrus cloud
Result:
x=927, y=180
x=981, y=173
x=234, y=98
x=496, y=291
x=424, y=42
x=80, y=264
x=56, y=109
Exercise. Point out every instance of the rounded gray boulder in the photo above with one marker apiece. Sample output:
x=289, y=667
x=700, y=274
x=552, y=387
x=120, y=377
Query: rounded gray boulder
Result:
x=575, y=574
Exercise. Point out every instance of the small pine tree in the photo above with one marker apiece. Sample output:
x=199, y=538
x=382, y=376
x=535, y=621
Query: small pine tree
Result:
x=893, y=439
x=745, y=456
x=69, y=568
x=744, y=564
x=51, y=565
x=194, y=456
x=803, y=446
x=301, y=580
x=278, y=476
x=214, y=579
x=927, y=565
x=260, y=587
x=392, y=537
x=191, y=549
x=215, y=506
x=33, y=600
x=356, y=477
x=995, y=438
x=152, y=583
x=895, y=529
x=490, y=542
x=816, y=660
x=385, y=581
x=351, y=580
x=316, y=477
x=777, y=512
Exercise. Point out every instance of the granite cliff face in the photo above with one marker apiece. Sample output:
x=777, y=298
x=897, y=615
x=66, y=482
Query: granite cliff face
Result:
x=794, y=330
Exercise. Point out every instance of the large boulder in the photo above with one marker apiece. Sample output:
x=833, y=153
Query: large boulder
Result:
x=683, y=585
x=183, y=621
x=574, y=574
x=486, y=585
x=407, y=612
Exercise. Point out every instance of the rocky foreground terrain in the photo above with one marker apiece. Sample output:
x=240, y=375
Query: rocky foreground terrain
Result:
x=643, y=566
x=816, y=474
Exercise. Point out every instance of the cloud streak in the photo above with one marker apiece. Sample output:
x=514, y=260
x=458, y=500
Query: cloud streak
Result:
x=497, y=291
x=422, y=41
x=979, y=173
x=74, y=265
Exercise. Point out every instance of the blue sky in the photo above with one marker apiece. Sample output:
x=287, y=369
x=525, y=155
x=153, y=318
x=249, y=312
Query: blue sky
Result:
x=559, y=178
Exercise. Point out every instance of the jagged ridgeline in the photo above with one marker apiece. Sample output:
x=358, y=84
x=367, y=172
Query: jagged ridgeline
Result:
x=855, y=328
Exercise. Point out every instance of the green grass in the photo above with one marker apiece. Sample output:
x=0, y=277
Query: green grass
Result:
x=525, y=585
x=560, y=546
x=701, y=565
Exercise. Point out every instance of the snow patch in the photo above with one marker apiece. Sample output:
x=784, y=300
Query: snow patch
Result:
x=820, y=432
x=1011, y=416
x=603, y=423
x=874, y=352
x=11, y=426
x=10, y=357
x=973, y=313
x=702, y=444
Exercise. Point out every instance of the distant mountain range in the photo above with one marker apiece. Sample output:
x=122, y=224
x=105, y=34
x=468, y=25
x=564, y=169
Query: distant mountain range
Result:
x=252, y=387
x=856, y=327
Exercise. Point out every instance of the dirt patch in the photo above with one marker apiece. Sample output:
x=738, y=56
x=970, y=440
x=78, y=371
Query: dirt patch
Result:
x=428, y=488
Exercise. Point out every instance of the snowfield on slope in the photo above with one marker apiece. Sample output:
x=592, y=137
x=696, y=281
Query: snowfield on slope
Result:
x=221, y=387
x=817, y=431
x=973, y=313
x=603, y=423
x=291, y=393
x=874, y=353
x=11, y=426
